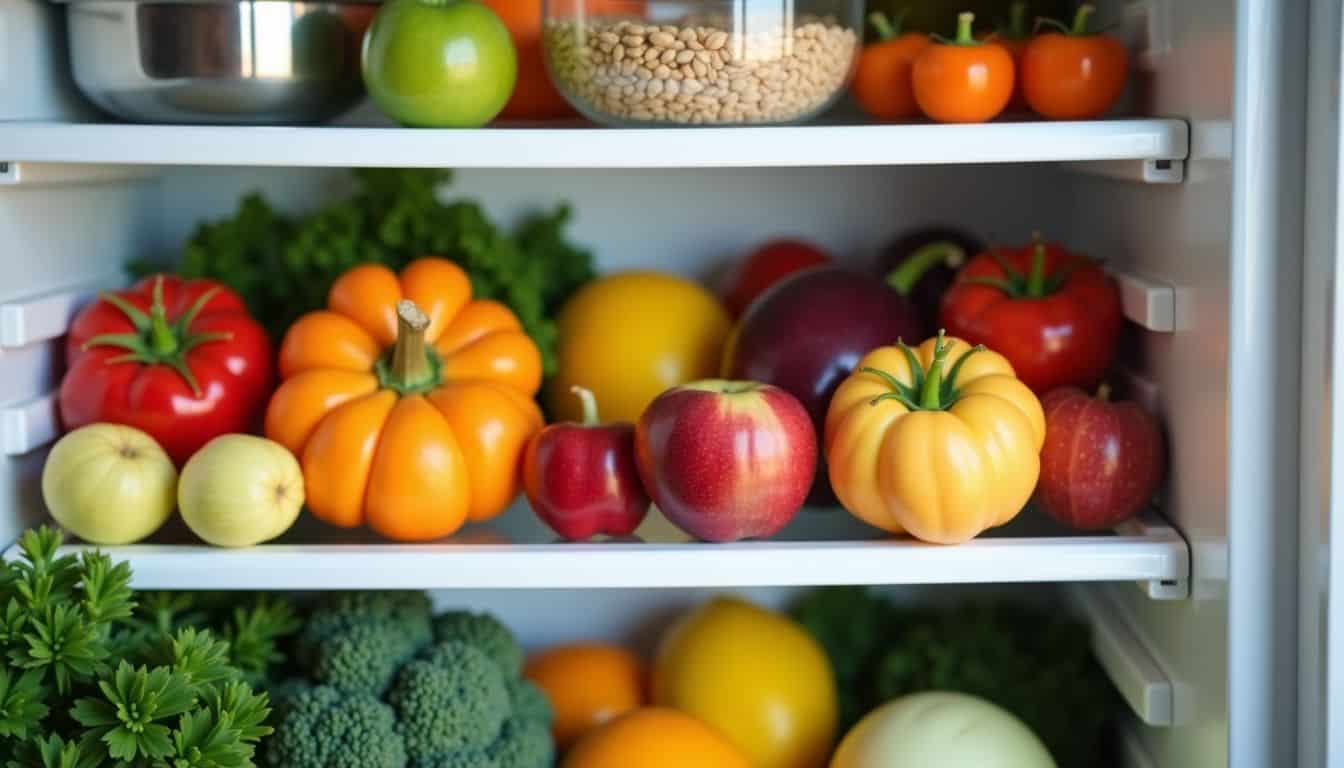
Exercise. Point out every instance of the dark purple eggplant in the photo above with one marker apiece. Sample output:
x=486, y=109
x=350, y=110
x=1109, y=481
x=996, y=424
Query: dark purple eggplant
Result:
x=921, y=266
x=806, y=334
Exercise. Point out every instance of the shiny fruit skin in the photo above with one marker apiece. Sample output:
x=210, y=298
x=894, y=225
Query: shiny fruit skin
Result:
x=807, y=334
x=629, y=337
x=439, y=63
x=882, y=83
x=1068, y=77
x=109, y=484
x=655, y=737
x=1102, y=461
x=727, y=460
x=587, y=686
x=756, y=676
x=766, y=266
x=963, y=81
x=582, y=480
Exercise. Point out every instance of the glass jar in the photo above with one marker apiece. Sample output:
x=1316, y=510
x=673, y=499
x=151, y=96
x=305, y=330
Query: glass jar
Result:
x=702, y=62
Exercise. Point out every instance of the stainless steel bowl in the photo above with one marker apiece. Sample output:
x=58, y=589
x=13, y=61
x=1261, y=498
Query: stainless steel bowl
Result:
x=230, y=62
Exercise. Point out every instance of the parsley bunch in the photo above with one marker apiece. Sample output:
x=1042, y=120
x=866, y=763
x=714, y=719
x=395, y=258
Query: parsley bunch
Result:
x=284, y=266
x=85, y=685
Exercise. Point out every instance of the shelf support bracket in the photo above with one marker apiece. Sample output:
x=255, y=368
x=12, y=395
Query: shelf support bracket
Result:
x=1150, y=171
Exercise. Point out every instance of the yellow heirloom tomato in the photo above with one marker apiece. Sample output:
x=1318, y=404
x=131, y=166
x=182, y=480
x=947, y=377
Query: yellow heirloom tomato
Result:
x=629, y=337
x=942, y=441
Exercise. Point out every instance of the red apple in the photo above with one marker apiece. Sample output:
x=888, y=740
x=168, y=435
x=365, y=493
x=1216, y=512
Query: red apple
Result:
x=727, y=460
x=1102, y=461
x=766, y=266
x=581, y=479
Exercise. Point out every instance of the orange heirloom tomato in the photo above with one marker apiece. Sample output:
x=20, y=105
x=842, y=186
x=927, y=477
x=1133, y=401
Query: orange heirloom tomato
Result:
x=942, y=441
x=408, y=403
x=882, y=81
x=1074, y=75
x=963, y=80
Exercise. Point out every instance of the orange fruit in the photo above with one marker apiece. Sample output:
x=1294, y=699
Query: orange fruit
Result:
x=655, y=737
x=587, y=685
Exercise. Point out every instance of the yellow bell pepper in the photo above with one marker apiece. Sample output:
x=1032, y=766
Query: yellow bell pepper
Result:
x=940, y=452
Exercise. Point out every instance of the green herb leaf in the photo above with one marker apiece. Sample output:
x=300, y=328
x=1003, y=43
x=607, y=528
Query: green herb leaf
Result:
x=21, y=703
x=62, y=641
x=127, y=718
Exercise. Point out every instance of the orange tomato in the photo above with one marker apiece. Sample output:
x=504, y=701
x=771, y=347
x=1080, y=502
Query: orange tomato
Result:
x=534, y=95
x=587, y=685
x=655, y=737
x=963, y=81
x=408, y=403
x=882, y=84
x=1073, y=75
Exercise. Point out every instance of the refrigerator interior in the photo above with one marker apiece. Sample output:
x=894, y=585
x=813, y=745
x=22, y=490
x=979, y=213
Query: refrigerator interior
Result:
x=1208, y=264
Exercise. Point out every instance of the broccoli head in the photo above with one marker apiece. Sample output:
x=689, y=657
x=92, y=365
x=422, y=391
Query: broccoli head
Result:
x=462, y=758
x=326, y=728
x=363, y=658
x=528, y=702
x=407, y=613
x=452, y=698
x=524, y=744
x=484, y=632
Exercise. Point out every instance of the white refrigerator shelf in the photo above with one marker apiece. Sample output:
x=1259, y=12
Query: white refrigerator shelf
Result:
x=821, y=547
x=1154, y=141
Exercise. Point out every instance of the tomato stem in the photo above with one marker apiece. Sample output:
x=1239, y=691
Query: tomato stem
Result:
x=1036, y=277
x=1017, y=22
x=589, y=405
x=411, y=366
x=1104, y=392
x=884, y=27
x=965, y=29
x=931, y=395
x=905, y=277
x=162, y=340
x=1081, y=18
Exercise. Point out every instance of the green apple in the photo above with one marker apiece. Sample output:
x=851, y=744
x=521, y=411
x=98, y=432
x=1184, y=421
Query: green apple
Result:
x=439, y=63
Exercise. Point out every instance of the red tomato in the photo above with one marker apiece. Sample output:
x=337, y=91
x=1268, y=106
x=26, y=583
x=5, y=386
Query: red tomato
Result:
x=1073, y=75
x=180, y=360
x=1101, y=462
x=1054, y=315
x=766, y=266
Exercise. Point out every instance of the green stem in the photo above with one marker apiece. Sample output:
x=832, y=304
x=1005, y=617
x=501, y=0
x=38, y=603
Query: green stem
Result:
x=1017, y=21
x=589, y=405
x=1104, y=392
x=965, y=29
x=411, y=367
x=931, y=396
x=905, y=277
x=162, y=340
x=883, y=26
x=1081, y=18
x=1036, y=277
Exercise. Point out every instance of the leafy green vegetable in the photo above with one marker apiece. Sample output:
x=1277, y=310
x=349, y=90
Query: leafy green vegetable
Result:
x=284, y=267
x=1035, y=664
x=172, y=701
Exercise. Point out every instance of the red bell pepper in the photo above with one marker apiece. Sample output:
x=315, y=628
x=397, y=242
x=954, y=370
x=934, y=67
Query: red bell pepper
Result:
x=582, y=480
x=180, y=360
x=1055, y=315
